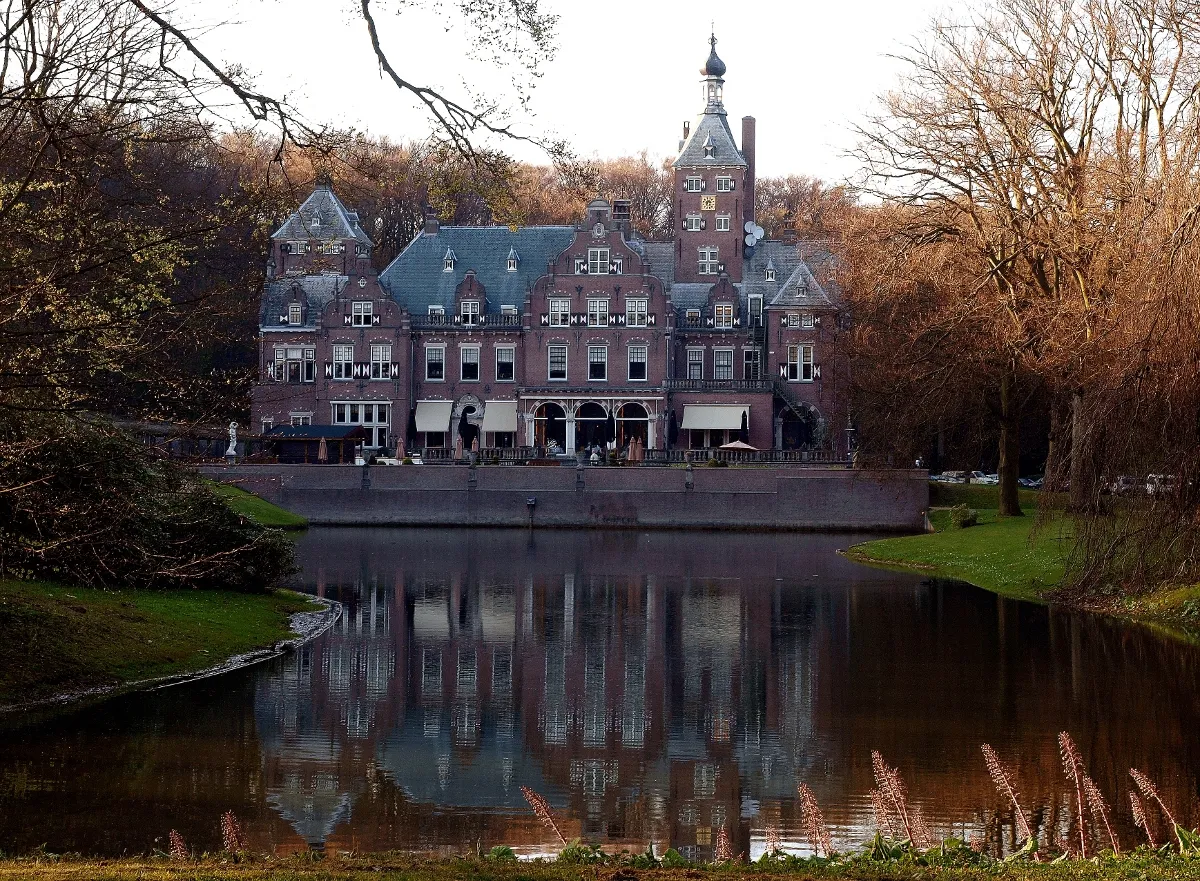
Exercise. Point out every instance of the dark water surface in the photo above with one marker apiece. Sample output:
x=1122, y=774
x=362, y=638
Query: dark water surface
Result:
x=653, y=687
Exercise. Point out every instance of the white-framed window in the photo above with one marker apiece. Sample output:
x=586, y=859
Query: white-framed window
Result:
x=580, y=265
x=694, y=184
x=724, y=184
x=510, y=311
x=597, y=261
x=295, y=314
x=695, y=364
x=267, y=424
x=708, y=260
x=693, y=223
x=448, y=261
x=800, y=364
x=468, y=362
x=692, y=317
x=300, y=418
x=616, y=265
x=722, y=223
x=362, y=313
x=560, y=313
x=770, y=273
x=756, y=310
x=751, y=366
x=793, y=319
x=315, y=223
x=636, y=311
x=469, y=311
x=372, y=416
x=506, y=357
x=723, y=316
x=556, y=360
x=806, y=320
x=597, y=313
x=512, y=264
x=381, y=361
x=597, y=363
x=722, y=363
x=437, y=312
x=298, y=247
x=343, y=362
x=638, y=356
x=435, y=363
x=295, y=364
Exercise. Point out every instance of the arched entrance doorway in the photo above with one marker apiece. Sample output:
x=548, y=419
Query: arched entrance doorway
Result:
x=803, y=430
x=632, y=421
x=550, y=423
x=589, y=425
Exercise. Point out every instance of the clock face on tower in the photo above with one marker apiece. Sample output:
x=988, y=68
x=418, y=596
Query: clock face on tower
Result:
x=708, y=203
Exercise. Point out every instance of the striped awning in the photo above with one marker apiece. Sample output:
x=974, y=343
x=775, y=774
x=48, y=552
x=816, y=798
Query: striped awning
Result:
x=713, y=416
x=434, y=415
x=500, y=416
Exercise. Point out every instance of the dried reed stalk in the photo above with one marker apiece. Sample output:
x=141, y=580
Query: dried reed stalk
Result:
x=178, y=850
x=1140, y=819
x=815, y=829
x=541, y=810
x=1003, y=778
x=895, y=796
x=883, y=817
x=1099, y=810
x=232, y=837
x=1073, y=766
x=774, y=844
x=922, y=835
x=1150, y=791
x=723, y=852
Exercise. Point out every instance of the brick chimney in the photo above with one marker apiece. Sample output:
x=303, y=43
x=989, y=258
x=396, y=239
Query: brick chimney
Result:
x=748, y=153
x=431, y=222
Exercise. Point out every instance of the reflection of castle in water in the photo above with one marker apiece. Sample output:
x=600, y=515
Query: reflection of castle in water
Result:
x=643, y=708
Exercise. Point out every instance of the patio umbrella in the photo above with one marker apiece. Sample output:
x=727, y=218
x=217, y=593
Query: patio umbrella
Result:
x=610, y=429
x=672, y=430
x=744, y=431
x=739, y=445
x=410, y=431
x=322, y=451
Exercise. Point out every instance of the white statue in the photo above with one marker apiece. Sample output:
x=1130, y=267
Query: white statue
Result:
x=232, y=451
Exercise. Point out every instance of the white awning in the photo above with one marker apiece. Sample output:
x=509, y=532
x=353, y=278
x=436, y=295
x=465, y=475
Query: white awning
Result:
x=713, y=416
x=434, y=415
x=500, y=416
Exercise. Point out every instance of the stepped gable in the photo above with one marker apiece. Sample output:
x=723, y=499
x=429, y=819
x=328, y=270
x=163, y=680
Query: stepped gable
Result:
x=333, y=220
x=314, y=291
x=417, y=278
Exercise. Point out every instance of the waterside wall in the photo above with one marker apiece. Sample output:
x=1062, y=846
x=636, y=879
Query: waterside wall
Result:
x=801, y=499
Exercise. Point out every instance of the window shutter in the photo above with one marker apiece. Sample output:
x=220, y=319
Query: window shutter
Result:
x=703, y=184
x=346, y=319
x=651, y=318
x=270, y=370
x=732, y=184
x=816, y=371
x=283, y=319
x=783, y=371
x=328, y=370
x=544, y=319
x=783, y=321
x=703, y=223
x=375, y=319
x=395, y=369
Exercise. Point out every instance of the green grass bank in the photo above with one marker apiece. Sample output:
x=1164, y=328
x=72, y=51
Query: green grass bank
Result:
x=400, y=867
x=257, y=509
x=57, y=640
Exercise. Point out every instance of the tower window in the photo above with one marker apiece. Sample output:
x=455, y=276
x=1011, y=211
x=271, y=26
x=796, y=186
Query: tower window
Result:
x=724, y=185
x=694, y=184
x=722, y=223
x=693, y=223
x=710, y=149
x=708, y=261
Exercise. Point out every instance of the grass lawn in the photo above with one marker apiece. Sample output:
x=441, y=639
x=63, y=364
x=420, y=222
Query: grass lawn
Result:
x=56, y=639
x=257, y=509
x=1010, y=555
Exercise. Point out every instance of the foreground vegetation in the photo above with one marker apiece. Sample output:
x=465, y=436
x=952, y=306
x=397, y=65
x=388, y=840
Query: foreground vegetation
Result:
x=258, y=509
x=57, y=640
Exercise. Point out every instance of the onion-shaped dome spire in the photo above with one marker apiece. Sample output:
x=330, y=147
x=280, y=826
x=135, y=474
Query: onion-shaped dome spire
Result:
x=714, y=66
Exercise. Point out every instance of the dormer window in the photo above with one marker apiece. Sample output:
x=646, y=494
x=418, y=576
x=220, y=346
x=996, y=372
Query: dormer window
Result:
x=295, y=313
x=448, y=261
x=469, y=311
x=362, y=314
x=315, y=223
x=770, y=275
x=598, y=261
x=513, y=260
x=710, y=149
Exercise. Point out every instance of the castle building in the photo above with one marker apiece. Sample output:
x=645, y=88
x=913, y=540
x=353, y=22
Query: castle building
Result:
x=562, y=336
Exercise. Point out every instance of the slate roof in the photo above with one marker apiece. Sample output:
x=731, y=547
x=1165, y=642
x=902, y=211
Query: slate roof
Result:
x=785, y=258
x=314, y=291
x=661, y=256
x=802, y=289
x=334, y=220
x=711, y=124
x=416, y=280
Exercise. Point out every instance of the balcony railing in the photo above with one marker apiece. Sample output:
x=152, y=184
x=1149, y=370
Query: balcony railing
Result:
x=745, y=457
x=487, y=321
x=719, y=385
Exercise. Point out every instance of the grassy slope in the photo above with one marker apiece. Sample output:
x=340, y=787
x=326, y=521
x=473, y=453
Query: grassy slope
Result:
x=1014, y=556
x=55, y=639
x=396, y=866
x=257, y=509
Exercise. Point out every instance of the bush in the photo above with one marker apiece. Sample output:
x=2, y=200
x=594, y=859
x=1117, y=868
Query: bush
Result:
x=961, y=517
x=716, y=463
x=502, y=853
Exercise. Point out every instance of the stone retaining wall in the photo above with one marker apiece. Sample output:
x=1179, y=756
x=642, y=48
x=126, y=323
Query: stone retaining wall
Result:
x=644, y=498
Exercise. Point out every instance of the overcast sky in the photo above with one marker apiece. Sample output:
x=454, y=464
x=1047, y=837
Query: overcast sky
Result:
x=625, y=76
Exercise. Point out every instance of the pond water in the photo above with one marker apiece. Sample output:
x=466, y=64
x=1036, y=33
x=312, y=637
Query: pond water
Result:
x=652, y=687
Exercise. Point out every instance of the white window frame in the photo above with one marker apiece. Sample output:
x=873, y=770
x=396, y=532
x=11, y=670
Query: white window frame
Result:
x=806, y=320
x=710, y=259
x=468, y=355
x=468, y=312
x=550, y=351
x=343, y=361
x=440, y=359
x=511, y=360
x=769, y=275
x=295, y=313
x=751, y=357
x=644, y=360
x=597, y=312
x=592, y=352
x=637, y=311
x=695, y=363
x=381, y=361
x=793, y=319
x=800, y=363
x=722, y=223
x=694, y=184
x=361, y=312
x=724, y=184
x=692, y=316
x=723, y=316
x=718, y=354
x=437, y=311
x=298, y=419
x=598, y=261
x=560, y=312
x=512, y=264
x=693, y=223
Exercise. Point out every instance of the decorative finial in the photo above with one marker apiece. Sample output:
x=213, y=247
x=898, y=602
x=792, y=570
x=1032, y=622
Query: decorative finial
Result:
x=714, y=66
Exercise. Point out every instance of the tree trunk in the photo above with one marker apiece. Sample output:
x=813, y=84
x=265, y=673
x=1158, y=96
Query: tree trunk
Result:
x=1010, y=448
x=1080, y=476
x=1051, y=469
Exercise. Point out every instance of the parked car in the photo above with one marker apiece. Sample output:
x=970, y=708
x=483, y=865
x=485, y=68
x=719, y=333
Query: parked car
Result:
x=1034, y=482
x=984, y=479
x=1124, y=485
x=954, y=477
x=1160, y=484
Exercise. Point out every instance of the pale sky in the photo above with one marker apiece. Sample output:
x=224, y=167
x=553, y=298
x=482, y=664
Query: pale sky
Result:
x=625, y=77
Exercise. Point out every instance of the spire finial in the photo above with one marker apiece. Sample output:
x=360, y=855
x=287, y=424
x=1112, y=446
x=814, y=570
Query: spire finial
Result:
x=714, y=66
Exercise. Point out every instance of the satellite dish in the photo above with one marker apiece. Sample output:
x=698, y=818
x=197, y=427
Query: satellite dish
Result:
x=749, y=226
x=759, y=232
x=750, y=240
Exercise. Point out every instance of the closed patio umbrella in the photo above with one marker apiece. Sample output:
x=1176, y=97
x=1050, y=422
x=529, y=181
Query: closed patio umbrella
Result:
x=322, y=451
x=744, y=431
x=672, y=429
x=410, y=431
x=610, y=429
